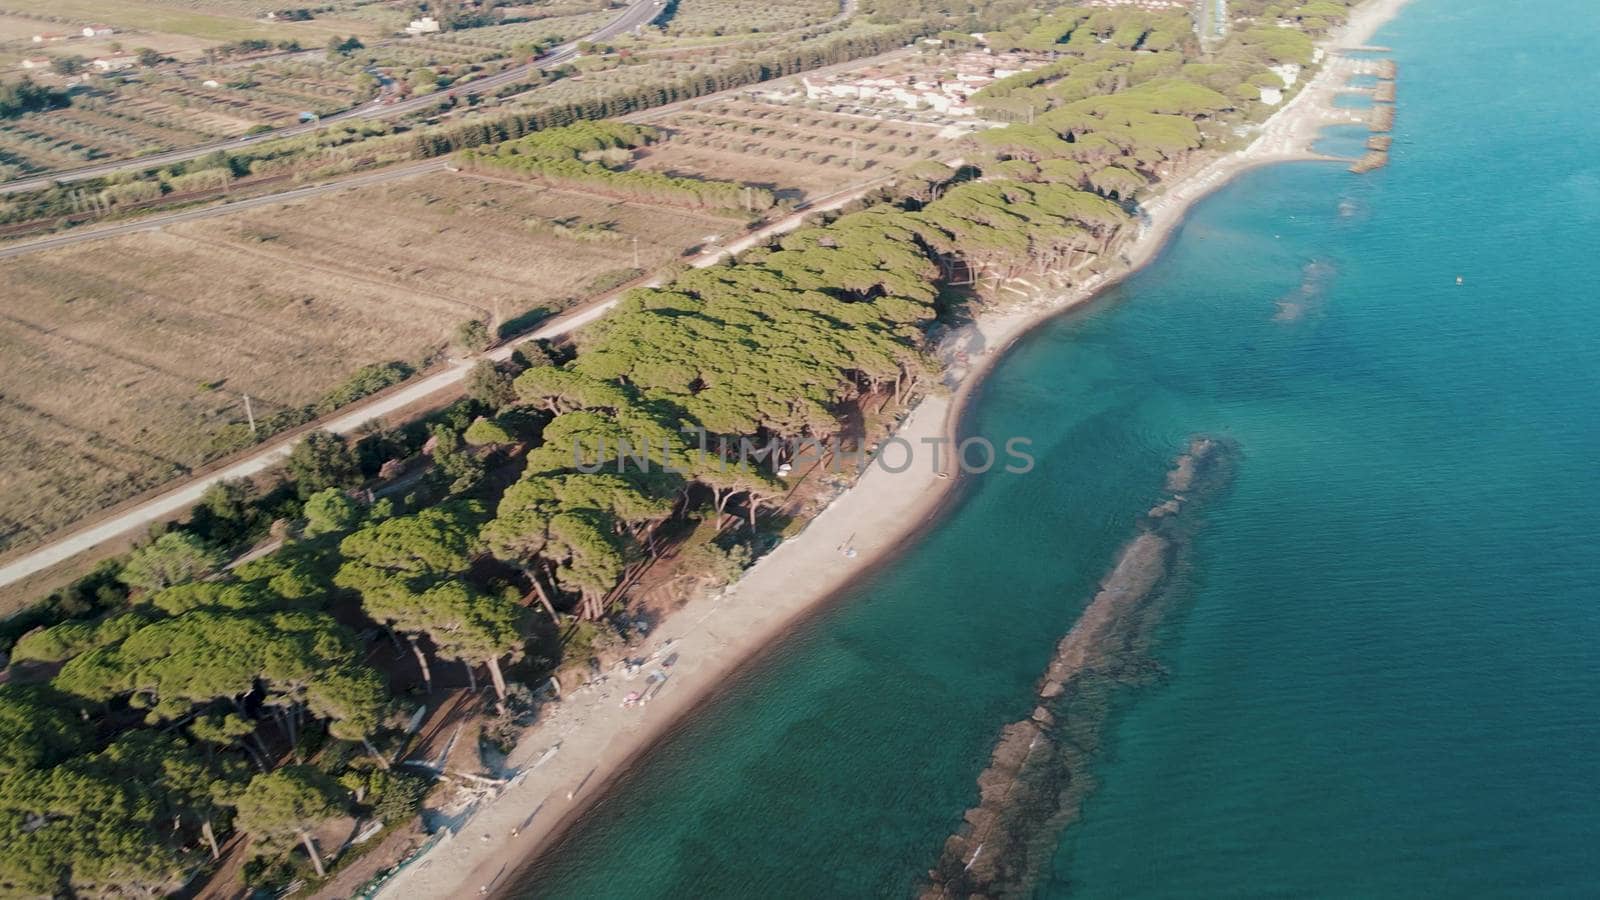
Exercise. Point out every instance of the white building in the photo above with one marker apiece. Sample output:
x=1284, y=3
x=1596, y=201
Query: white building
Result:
x=36, y=62
x=93, y=31
x=115, y=62
x=424, y=25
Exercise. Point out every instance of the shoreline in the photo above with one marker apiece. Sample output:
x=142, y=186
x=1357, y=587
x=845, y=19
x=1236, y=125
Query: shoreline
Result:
x=577, y=751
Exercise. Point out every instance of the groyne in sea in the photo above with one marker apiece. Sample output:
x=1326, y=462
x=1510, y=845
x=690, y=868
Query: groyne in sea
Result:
x=1038, y=773
x=1381, y=119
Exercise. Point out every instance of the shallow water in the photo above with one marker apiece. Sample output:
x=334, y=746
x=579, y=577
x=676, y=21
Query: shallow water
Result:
x=1384, y=677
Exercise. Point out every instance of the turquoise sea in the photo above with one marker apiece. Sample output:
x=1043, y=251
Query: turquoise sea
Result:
x=1383, y=679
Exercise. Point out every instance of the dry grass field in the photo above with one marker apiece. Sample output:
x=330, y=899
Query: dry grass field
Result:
x=18, y=28
x=126, y=358
x=178, y=46
x=493, y=245
x=799, y=154
x=789, y=179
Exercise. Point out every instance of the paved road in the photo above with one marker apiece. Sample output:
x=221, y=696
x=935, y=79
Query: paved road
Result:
x=188, y=494
x=640, y=12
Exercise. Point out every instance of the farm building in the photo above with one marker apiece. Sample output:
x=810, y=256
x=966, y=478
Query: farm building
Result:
x=922, y=87
x=115, y=62
x=424, y=25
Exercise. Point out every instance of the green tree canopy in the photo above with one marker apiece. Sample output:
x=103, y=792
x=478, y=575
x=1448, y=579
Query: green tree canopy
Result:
x=329, y=511
x=38, y=726
x=320, y=461
x=205, y=655
x=472, y=626
x=288, y=805
x=173, y=558
x=436, y=542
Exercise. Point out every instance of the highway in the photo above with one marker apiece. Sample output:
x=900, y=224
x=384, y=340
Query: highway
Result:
x=638, y=13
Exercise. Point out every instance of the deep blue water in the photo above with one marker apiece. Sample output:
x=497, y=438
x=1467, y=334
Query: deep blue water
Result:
x=1385, y=678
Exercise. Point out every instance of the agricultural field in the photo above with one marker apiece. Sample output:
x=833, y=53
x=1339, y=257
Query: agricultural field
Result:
x=799, y=154
x=255, y=9
x=324, y=9
x=177, y=46
x=20, y=29
x=725, y=17
x=548, y=9
x=220, y=22
x=600, y=75
x=127, y=358
x=505, y=247
x=559, y=29
x=652, y=59
x=16, y=42
x=436, y=50
x=603, y=75
x=173, y=108
x=271, y=92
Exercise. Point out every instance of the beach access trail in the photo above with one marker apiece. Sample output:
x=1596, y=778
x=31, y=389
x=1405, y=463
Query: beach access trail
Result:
x=583, y=742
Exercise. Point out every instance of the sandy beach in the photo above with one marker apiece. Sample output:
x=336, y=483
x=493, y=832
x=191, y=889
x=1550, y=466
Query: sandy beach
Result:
x=579, y=745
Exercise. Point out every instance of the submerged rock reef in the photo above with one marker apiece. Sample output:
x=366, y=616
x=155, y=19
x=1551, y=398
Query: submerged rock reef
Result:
x=1039, y=773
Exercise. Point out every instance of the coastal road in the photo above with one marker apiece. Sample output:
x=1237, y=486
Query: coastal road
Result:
x=638, y=13
x=179, y=498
